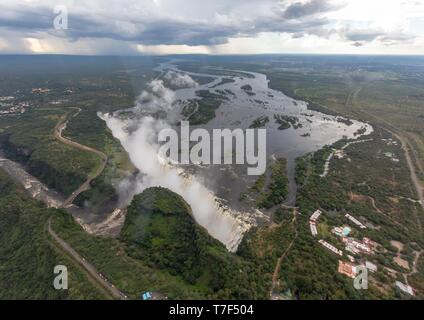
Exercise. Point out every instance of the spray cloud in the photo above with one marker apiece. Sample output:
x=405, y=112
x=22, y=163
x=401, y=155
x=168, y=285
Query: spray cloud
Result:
x=139, y=137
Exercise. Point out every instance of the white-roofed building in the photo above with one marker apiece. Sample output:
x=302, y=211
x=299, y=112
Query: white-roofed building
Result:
x=405, y=288
x=313, y=228
x=331, y=247
x=315, y=215
x=370, y=266
x=355, y=221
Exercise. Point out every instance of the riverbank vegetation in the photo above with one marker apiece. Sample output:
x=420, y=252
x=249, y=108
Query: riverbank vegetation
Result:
x=207, y=105
x=259, y=122
x=269, y=189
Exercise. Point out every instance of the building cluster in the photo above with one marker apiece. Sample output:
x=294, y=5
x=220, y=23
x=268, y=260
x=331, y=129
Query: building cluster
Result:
x=351, y=270
x=40, y=90
x=352, y=245
x=366, y=246
x=390, y=142
x=313, y=220
x=6, y=98
x=392, y=156
x=16, y=109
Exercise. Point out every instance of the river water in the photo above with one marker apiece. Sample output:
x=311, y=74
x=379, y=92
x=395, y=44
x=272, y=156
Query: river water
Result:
x=213, y=191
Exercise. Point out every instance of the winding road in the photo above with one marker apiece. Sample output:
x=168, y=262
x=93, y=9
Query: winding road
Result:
x=414, y=266
x=91, y=270
x=42, y=193
x=98, y=277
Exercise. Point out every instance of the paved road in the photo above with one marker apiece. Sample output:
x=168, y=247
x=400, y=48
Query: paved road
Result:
x=86, y=185
x=97, y=276
x=411, y=167
x=409, y=161
x=405, y=147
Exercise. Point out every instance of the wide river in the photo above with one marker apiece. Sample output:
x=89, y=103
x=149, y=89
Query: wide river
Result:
x=213, y=191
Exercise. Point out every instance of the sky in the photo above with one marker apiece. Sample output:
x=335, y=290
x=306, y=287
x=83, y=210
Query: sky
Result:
x=132, y=27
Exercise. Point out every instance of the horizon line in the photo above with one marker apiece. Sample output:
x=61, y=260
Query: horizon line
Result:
x=213, y=55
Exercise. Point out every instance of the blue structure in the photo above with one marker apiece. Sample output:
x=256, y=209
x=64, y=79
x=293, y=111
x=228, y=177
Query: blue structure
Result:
x=146, y=296
x=346, y=231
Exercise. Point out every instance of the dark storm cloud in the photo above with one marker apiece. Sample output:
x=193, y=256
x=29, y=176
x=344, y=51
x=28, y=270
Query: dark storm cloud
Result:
x=165, y=32
x=363, y=35
x=357, y=44
x=32, y=19
x=157, y=30
x=123, y=23
x=302, y=9
x=26, y=18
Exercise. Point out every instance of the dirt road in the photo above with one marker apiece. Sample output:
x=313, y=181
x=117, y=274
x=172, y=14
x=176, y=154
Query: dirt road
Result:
x=414, y=265
x=275, y=276
x=97, y=276
x=58, y=130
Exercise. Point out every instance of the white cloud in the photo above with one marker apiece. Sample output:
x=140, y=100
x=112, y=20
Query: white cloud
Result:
x=173, y=49
x=221, y=26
